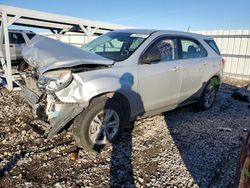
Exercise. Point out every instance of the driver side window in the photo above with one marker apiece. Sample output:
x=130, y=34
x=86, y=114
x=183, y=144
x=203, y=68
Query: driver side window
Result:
x=162, y=50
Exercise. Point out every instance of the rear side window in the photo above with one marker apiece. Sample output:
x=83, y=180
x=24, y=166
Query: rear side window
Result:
x=192, y=49
x=30, y=35
x=16, y=38
x=213, y=45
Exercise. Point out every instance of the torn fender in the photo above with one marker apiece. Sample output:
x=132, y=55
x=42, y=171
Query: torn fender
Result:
x=58, y=114
x=54, y=113
x=62, y=115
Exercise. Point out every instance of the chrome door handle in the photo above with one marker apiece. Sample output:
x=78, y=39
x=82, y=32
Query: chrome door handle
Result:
x=176, y=69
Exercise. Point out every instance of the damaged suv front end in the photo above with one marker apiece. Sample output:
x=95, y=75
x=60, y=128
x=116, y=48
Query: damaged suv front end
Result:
x=50, y=83
x=47, y=106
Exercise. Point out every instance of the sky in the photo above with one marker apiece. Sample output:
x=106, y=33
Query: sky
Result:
x=151, y=14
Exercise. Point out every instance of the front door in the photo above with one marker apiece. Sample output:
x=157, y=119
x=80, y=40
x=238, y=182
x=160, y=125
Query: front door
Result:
x=160, y=75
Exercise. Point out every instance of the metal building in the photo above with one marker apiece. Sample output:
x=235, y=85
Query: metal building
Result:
x=57, y=24
x=235, y=48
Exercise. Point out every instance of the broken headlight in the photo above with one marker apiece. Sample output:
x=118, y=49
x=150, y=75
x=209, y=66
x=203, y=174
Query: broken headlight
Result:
x=55, y=80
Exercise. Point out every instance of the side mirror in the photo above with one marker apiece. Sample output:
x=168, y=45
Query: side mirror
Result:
x=150, y=57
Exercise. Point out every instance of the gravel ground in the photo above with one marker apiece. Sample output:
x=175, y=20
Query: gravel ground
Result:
x=181, y=148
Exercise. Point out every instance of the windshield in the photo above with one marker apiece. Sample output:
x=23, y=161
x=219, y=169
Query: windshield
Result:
x=117, y=46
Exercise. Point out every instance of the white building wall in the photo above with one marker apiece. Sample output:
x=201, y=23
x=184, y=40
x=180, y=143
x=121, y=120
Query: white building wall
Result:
x=77, y=39
x=235, y=48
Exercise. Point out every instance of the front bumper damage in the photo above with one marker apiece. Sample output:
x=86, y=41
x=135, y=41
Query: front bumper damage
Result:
x=48, y=108
x=43, y=55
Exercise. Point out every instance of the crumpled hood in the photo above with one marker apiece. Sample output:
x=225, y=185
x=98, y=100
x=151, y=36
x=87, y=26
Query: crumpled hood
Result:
x=45, y=54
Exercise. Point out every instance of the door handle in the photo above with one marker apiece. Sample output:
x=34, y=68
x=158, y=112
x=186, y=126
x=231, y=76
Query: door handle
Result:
x=11, y=45
x=176, y=69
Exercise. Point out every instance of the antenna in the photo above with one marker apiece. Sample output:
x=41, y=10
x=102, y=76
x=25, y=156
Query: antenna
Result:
x=188, y=28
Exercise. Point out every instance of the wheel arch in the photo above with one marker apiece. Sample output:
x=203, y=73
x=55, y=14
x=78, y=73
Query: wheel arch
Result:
x=120, y=98
x=217, y=80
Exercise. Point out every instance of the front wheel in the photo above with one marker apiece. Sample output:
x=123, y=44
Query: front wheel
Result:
x=208, y=95
x=99, y=124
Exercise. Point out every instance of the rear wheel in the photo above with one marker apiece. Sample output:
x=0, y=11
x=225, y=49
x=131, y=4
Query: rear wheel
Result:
x=99, y=124
x=208, y=95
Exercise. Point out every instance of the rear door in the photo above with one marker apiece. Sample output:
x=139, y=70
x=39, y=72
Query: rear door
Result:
x=193, y=56
x=159, y=82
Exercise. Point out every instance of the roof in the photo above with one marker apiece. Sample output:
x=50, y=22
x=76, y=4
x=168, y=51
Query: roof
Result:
x=172, y=32
x=139, y=31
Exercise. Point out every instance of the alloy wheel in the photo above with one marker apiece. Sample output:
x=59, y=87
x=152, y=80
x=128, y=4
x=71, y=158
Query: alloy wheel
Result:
x=104, y=127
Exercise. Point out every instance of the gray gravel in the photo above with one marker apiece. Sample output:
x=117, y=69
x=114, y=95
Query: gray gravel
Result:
x=181, y=148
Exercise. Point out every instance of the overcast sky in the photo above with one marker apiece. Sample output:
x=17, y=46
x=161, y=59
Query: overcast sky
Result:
x=155, y=14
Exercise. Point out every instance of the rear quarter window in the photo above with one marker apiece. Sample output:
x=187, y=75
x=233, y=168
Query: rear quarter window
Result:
x=213, y=45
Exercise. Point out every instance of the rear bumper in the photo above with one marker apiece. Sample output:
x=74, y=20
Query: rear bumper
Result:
x=54, y=113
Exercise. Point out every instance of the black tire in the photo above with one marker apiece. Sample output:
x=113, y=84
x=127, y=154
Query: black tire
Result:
x=82, y=123
x=211, y=87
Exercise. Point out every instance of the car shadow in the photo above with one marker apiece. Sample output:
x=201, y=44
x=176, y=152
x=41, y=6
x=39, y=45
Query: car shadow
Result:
x=201, y=150
x=203, y=142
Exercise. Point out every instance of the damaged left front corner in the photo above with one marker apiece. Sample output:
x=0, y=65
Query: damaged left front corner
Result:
x=59, y=114
x=54, y=113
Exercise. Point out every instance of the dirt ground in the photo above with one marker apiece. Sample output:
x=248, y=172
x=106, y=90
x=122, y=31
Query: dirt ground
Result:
x=180, y=148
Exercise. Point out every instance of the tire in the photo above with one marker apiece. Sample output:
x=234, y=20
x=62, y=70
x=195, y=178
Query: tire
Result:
x=208, y=95
x=90, y=127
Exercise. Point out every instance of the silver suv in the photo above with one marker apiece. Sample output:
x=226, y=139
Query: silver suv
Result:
x=117, y=78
